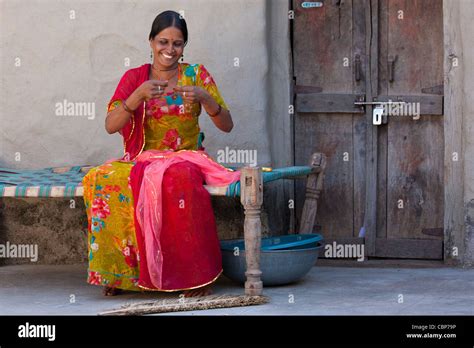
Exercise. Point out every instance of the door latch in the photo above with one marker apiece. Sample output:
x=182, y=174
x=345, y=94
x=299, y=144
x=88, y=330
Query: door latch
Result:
x=378, y=116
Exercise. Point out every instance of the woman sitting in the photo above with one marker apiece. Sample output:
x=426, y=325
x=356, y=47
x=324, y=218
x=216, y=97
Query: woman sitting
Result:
x=151, y=224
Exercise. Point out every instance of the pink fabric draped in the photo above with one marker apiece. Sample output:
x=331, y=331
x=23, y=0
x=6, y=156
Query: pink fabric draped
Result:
x=148, y=210
x=136, y=178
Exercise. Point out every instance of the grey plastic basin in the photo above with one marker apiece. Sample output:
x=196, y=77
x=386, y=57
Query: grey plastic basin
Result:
x=278, y=267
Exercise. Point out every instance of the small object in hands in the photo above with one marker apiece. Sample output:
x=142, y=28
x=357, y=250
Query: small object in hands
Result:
x=187, y=106
x=161, y=88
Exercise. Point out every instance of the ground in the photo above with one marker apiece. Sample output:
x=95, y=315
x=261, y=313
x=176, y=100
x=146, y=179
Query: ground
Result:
x=57, y=289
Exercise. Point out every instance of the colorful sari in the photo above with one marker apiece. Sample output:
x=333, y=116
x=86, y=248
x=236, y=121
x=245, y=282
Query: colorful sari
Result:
x=151, y=224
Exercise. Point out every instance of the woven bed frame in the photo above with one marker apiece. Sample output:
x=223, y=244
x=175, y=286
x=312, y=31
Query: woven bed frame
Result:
x=67, y=182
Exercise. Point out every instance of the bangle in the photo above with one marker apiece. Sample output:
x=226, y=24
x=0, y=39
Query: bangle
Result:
x=127, y=109
x=218, y=111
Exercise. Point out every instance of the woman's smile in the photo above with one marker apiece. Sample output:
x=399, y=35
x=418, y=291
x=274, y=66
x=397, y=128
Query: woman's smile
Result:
x=168, y=57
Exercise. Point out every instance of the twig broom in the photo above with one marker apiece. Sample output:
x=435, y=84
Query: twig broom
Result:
x=187, y=304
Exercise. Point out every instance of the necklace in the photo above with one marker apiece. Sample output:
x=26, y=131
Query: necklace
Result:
x=164, y=69
x=169, y=78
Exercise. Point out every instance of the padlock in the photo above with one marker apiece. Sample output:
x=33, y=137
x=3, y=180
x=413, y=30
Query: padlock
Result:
x=377, y=115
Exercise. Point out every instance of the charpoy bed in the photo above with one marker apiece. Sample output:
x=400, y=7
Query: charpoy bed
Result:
x=67, y=182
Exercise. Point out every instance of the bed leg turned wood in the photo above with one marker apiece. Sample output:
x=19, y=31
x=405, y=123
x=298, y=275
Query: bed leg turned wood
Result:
x=251, y=197
x=314, y=185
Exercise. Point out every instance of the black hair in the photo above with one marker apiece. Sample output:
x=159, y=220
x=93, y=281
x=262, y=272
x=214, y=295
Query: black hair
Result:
x=169, y=19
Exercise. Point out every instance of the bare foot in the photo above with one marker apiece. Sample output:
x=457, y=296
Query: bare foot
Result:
x=204, y=291
x=108, y=291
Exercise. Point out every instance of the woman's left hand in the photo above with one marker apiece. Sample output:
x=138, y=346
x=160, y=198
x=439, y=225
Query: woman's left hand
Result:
x=192, y=94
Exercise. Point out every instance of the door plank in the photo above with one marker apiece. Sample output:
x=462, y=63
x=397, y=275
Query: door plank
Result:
x=359, y=129
x=382, y=136
x=323, y=54
x=331, y=135
x=327, y=103
x=415, y=148
x=415, y=177
x=322, y=40
x=372, y=44
x=409, y=248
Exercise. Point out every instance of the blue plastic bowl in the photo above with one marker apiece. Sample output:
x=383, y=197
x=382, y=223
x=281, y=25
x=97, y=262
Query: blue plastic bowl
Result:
x=283, y=259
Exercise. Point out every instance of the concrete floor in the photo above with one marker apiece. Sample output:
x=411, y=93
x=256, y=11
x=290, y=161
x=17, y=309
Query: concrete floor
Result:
x=48, y=289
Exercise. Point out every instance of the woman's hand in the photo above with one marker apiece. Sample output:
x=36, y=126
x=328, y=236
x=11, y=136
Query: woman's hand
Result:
x=119, y=117
x=192, y=94
x=151, y=89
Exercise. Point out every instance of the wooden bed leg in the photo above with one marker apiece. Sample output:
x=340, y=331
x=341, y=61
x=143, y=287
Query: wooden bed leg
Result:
x=251, y=197
x=314, y=185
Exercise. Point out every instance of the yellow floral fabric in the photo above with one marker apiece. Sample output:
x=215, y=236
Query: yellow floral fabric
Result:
x=169, y=124
x=113, y=250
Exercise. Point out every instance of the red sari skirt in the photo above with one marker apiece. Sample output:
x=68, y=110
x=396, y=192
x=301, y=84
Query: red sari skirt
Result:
x=189, y=241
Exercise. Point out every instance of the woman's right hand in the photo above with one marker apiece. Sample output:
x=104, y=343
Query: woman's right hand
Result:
x=151, y=89
x=118, y=118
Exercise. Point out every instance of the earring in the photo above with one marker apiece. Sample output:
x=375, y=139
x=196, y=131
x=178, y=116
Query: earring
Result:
x=151, y=56
x=182, y=58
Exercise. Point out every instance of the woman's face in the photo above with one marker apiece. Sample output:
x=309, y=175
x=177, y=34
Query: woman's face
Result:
x=167, y=46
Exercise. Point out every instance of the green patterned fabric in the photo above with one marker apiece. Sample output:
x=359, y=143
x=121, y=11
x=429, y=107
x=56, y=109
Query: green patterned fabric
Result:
x=46, y=179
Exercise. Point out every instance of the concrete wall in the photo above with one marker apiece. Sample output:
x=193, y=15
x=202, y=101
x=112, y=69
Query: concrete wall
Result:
x=46, y=56
x=459, y=132
x=467, y=26
x=279, y=120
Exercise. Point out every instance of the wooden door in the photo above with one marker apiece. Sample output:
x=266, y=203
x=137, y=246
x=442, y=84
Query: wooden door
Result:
x=329, y=62
x=383, y=185
x=411, y=151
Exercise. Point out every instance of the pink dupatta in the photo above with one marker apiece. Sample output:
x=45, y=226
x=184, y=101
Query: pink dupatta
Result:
x=149, y=206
